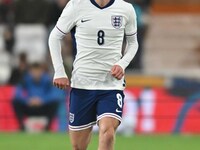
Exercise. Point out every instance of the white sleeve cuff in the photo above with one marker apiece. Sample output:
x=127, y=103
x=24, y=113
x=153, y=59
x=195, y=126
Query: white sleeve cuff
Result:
x=60, y=73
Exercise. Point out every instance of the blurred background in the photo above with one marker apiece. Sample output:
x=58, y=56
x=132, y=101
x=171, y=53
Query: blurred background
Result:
x=163, y=81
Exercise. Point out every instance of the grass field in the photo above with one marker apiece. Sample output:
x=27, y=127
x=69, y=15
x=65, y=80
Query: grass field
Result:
x=52, y=141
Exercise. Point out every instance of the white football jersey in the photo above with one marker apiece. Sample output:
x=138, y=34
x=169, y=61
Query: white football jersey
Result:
x=99, y=37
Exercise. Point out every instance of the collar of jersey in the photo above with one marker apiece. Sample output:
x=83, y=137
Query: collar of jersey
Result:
x=108, y=5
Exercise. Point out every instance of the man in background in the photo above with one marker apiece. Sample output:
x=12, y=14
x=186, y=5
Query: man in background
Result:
x=35, y=96
x=19, y=71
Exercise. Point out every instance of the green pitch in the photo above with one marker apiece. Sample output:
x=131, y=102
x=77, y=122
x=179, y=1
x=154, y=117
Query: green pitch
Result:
x=53, y=141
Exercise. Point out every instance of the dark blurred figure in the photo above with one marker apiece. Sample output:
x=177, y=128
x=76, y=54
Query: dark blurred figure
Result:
x=36, y=96
x=19, y=71
x=9, y=39
x=4, y=10
x=31, y=11
x=141, y=7
x=57, y=7
x=6, y=19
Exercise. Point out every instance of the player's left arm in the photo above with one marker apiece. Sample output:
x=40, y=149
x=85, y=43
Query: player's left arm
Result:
x=131, y=49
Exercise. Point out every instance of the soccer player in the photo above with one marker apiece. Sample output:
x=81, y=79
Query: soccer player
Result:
x=98, y=70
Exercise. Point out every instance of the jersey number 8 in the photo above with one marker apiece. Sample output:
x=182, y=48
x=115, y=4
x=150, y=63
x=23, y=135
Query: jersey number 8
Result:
x=100, y=39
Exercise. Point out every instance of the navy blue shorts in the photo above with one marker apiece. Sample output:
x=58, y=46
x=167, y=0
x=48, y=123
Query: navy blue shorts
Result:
x=89, y=106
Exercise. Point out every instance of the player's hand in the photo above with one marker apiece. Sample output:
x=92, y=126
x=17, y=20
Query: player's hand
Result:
x=35, y=101
x=61, y=83
x=117, y=72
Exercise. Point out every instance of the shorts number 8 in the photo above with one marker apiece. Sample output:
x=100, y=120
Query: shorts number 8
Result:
x=119, y=100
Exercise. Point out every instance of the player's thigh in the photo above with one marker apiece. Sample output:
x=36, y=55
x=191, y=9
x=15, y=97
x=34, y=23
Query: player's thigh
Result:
x=82, y=110
x=110, y=106
x=80, y=138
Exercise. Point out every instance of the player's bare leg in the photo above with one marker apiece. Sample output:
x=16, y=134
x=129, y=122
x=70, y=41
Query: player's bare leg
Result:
x=107, y=129
x=80, y=139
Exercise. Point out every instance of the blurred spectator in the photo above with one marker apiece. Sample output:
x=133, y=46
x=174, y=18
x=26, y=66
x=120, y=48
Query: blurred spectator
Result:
x=19, y=71
x=31, y=11
x=36, y=96
x=6, y=19
x=9, y=39
x=6, y=12
x=4, y=9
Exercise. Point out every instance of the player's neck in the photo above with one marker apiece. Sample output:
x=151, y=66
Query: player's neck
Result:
x=102, y=3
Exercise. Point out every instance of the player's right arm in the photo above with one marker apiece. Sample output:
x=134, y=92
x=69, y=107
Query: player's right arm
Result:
x=65, y=23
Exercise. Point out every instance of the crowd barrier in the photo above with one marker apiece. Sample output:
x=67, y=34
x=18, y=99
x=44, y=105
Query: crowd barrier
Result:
x=153, y=110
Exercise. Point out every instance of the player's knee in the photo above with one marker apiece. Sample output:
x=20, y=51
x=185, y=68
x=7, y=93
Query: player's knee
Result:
x=107, y=134
x=80, y=145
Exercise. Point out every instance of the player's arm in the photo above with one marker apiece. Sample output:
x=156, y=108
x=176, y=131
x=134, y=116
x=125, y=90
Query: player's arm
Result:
x=65, y=23
x=131, y=48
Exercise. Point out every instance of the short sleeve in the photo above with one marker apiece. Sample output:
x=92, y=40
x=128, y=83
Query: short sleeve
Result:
x=67, y=19
x=131, y=26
